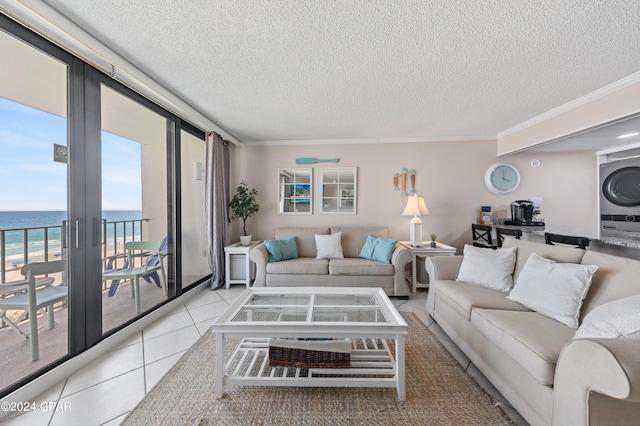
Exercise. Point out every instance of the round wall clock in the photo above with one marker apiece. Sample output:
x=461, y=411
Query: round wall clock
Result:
x=502, y=178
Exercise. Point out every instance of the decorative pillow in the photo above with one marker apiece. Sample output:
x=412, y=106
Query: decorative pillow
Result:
x=329, y=246
x=282, y=249
x=619, y=318
x=553, y=289
x=488, y=268
x=378, y=249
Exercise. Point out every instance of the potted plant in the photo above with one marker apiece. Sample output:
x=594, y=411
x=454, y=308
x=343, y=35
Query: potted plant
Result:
x=244, y=205
x=433, y=240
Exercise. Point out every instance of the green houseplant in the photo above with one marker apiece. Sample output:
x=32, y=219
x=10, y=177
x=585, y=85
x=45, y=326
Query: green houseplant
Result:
x=433, y=240
x=244, y=205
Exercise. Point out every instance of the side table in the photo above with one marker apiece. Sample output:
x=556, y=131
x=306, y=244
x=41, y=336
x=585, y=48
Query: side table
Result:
x=425, y=251
x=238, y=254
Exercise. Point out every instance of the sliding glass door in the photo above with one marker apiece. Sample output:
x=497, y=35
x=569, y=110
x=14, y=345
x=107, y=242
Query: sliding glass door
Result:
x=34, y=210
x=195, y=263
x=93, y=182
x=134, y=208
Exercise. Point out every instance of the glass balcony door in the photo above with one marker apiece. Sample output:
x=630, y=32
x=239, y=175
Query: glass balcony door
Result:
x=35, y=218
x=134, y=208
x=87, y=167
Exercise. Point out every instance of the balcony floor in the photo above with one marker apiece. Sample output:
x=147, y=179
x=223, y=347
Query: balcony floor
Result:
x=15, y=352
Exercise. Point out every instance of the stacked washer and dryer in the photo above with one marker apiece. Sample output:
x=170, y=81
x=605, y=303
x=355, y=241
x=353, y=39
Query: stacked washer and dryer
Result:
x=620, y=195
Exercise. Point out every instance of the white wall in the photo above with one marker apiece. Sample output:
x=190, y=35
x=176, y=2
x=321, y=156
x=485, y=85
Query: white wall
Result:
x=450, y=175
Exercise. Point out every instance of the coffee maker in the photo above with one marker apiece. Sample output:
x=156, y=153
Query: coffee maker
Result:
x=522, y=212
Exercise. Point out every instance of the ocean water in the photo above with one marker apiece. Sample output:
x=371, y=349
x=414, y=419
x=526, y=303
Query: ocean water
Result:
x=14, y=222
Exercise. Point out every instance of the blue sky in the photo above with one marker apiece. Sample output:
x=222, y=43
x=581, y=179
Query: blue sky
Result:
x=31, y=180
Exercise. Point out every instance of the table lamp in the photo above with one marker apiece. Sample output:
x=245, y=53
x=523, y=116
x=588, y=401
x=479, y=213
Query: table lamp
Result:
x=415, y=207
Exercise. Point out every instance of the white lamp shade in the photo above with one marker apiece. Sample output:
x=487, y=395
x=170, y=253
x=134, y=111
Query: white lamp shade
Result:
x=415, y=207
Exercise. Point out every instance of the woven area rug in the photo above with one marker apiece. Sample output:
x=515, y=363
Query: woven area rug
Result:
x=439, y=392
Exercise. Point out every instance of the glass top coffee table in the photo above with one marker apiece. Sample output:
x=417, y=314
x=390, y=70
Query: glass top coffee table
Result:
x=365, y=317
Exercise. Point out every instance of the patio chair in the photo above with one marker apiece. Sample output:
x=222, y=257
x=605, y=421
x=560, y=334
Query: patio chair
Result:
x=110, y=264
x=151, y=264
x=12, y=288
x=34, y=299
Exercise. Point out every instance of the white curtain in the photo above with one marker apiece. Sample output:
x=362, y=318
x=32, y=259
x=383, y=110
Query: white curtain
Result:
x=216, y=204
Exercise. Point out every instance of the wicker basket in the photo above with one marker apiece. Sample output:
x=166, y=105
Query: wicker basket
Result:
x=309, y=354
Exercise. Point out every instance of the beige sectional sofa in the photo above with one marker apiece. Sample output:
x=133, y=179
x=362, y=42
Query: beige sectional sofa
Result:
x=352, y=271
x=533, y=360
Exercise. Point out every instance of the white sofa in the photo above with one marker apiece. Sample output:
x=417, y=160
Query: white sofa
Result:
x=533, y=360
x=352, y=271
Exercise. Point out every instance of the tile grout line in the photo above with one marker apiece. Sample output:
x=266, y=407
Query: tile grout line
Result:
x=66, y=380
x=144, y=364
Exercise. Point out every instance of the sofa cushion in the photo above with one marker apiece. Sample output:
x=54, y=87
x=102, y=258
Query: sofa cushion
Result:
x=356, y=266
x=553, y=289
x=464, y=297
x=353, y=237
x=616, y=277
x=305, y=238
x=281, y=249
x=329, y=246
x=533, y=340
x=525, y=248
x=488, y=268
x=378, y=249
x=620, y=318
x=300, y=266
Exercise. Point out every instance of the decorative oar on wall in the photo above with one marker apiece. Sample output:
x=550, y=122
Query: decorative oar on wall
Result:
x=312, y=160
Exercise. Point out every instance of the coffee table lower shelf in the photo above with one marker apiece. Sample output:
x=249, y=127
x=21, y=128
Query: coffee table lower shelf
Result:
x=372, y=365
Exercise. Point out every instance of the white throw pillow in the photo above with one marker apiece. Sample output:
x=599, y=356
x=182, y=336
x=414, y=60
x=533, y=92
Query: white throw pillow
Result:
x=329, y=246
x=488, y=268
x=553, y=289
x=619, y=318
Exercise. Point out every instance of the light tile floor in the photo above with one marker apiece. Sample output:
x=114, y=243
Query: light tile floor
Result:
x=106, y=390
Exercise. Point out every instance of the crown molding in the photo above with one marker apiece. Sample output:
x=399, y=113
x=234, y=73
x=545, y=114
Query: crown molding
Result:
x=583, y=100
x=361, y=141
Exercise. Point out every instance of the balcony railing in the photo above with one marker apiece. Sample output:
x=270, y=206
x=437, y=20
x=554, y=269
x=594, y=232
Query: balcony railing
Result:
x=114, y=235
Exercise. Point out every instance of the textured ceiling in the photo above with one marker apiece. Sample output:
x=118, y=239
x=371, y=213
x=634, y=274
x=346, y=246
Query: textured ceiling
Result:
x=346, y=69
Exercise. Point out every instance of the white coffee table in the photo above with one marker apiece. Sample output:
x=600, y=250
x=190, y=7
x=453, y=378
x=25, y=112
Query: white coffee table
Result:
x=365, y=315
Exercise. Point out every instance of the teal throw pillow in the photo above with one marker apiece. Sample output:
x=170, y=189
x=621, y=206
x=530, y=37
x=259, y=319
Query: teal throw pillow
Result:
x=282, y=249
x=366, y=252
x=378, y=249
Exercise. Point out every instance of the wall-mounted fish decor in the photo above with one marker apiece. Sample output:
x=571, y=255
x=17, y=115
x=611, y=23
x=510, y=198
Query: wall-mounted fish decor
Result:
x=403, y=179
x=412, y=175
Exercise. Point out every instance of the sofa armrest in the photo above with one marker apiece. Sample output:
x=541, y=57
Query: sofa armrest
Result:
x=443, y=267
x=260, y=257
x=588, y=367
x=400, y=257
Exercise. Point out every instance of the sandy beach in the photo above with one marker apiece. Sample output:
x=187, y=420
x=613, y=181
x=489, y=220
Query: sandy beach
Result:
x=14, y=263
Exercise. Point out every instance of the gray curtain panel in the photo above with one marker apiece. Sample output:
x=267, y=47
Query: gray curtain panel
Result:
x=216, y=205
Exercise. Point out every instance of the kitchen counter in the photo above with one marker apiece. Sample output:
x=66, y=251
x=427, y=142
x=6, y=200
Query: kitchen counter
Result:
x=607, y=237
